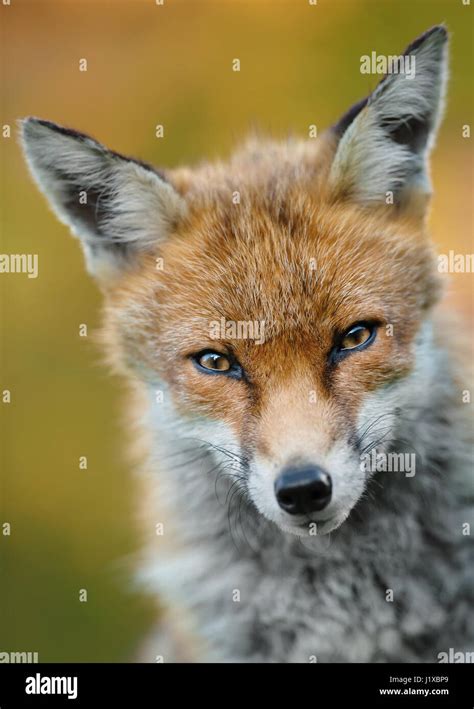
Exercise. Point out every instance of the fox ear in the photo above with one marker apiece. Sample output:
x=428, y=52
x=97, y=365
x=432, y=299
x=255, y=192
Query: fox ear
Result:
x=384, y=141
x=115, y=205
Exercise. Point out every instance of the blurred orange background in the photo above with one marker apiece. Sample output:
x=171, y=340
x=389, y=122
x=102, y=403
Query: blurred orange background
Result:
x=150, y=64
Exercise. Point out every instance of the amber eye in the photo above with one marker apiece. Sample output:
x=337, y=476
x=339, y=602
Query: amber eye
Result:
x=356, y=337
x=213, y=361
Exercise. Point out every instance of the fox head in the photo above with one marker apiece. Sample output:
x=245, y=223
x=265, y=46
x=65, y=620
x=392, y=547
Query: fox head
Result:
x=279, y=300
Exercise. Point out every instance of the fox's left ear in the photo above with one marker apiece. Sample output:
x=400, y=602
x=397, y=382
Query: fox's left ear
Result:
x=384, y=141
x=118, y=207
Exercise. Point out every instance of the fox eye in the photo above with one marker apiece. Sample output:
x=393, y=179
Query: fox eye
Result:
x=357, y=337
x=212, y=362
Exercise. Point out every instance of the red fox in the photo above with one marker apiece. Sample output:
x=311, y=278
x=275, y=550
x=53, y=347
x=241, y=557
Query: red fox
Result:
x=307, y=482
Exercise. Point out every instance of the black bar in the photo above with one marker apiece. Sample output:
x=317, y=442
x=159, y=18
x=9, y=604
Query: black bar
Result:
x=328, y=685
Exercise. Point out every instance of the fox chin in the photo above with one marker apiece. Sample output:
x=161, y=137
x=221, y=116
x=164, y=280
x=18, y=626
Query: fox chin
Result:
x=276, y=317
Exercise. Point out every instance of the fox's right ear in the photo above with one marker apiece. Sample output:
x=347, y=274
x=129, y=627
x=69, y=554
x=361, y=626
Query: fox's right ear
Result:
x=117, y=206
x=384, y=141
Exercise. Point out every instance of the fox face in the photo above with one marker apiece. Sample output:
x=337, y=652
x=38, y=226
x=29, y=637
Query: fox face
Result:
x=279, y=302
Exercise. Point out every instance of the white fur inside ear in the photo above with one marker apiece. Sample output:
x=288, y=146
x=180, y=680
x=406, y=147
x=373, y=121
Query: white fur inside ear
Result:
x=369, y=161
x=115, y=205
x=368, y=164
x=144, y=208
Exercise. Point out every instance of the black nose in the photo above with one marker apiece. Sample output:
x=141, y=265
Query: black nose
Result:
x=303, y=490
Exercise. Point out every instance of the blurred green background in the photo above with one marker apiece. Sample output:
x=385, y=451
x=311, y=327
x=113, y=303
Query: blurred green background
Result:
x=149, y=64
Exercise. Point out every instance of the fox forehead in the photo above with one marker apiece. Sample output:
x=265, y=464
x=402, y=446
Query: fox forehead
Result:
x=283, y=254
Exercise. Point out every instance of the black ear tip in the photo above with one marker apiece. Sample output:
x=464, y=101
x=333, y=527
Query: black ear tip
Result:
x=27, y=124
x=440, y=30
x=32, y=127
x=435, y=35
